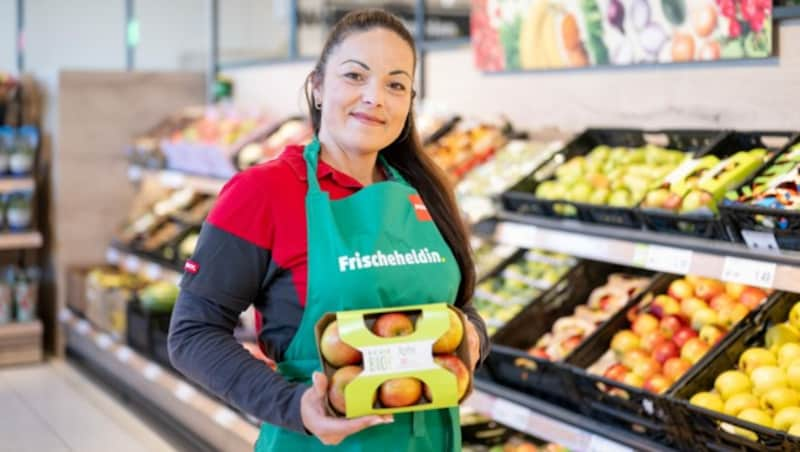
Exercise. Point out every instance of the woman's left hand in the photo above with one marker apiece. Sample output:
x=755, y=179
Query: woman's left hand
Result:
x=474, y=343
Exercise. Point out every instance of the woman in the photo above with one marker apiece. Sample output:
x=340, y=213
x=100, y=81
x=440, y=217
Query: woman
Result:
x=282, y=234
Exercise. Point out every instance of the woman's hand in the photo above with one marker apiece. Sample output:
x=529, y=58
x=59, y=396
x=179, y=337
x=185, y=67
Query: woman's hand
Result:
x=473, y=342
x=331, y=430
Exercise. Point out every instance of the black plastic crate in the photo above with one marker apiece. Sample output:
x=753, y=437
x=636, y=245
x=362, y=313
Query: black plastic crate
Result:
x=741, y=217
x=508, y=361
x=521, y=198
x=714, y=227
x=703, y=431
x=147, y=332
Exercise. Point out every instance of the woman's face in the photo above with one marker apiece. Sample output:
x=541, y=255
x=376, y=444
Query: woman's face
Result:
x=366, y=91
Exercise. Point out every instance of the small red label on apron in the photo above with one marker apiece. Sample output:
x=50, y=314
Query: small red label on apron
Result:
x=419, y=208
x=191, y=267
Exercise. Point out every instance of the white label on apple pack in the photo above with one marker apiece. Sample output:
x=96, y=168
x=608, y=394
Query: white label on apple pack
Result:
x=83, y=327
x=224, y=417
x=103, y=341
x=124, y=354
x=669, y=260
x=151, y=371
x=406, y=357
x=511, y=414
x=112, y=256
x=747, y=271
x=762, y=241
x=184, y=392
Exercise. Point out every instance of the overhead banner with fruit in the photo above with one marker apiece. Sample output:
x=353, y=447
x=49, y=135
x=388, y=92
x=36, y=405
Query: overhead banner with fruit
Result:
x=547, y=34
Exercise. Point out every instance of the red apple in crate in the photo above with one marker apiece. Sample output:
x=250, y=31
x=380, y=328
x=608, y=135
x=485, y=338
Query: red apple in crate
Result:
x=623, y=341
x=666, y=351
x=674, y=368
x=635, y=356
x=708, y=288
x=694, y=349
x=722, y=302
x=752, y=297
x=340, y=379
x=334, y=350
x=657, y=384
x=664, y=305
x=571, y=343
x=616, y=372
x=451, y=339
x=734, y=289
x=393, y=324
x=644, y=324
x=683, y=335
x=691, y=305
x=539, y=352
x=400, y=392
x=456, y=367
x=632, y=313
x=646, y=368
x=670, y=325
x=652, y=339
x=711, y=334
x=680, y=289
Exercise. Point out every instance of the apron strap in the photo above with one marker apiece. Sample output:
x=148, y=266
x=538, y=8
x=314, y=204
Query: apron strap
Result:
x=311, y=156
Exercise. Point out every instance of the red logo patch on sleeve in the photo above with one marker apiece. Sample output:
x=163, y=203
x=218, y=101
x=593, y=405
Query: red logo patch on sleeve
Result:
x=419, y=208
x=191, y=267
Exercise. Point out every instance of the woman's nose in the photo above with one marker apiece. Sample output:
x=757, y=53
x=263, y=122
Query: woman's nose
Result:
x=372, y=94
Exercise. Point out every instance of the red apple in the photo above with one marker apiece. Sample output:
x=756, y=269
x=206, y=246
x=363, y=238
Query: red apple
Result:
x=623, y=341
x=711, y=334
x=393, y=324
x=752, y=297
x=683, y=335
x=670, y=325
x=571, y=343
x=451, y=339
x=399, y=392
x=457, y=367
x=631, y=379
x=334, y=350
x=708, y=288
x=657, y=384
x=539, y=352
x=664, y=305
x=666, y=351
x=694, y=349
x=632, y=313
x=340, y=379
x=680, y=289
x=644, y=324
x=646, y=368
x=722, y=302
x=616, y=372
x=674, y=368
x=652, y=339
x=734, y=289
x=632, y=357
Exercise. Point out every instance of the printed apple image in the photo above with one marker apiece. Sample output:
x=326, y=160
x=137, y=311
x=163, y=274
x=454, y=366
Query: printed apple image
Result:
x=339, y=381
x=393, y=324
x=456, y=367
x=334, y=350
x=451, y=339
x=400, y=392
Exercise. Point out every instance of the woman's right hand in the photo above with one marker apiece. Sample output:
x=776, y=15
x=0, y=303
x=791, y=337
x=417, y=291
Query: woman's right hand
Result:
x=331, y=430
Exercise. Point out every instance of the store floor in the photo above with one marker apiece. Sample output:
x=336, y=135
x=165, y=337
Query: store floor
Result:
x=56, y=407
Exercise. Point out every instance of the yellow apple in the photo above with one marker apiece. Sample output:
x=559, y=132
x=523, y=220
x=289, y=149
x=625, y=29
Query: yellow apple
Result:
x=756, y=357
x=766, y=378
x=794, y=316
x=740, y=402
x=732, y=382
x=788, y=353
x=708, y=400
x=787, y=417
x=793, y=375
x=777, y=399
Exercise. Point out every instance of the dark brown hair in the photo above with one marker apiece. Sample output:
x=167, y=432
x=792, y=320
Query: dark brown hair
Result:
x=405, y=153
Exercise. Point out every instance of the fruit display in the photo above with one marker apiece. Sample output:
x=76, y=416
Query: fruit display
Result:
x=618, y=176
x=699, y=184
x=570, y=331
x=159, y=296
x=501, y=297
x=777, y=187
x=764, y=385
x=345, y=362
x=108, y=292
x=669, y=333
x=291, y=131
x=464, y=147
x=508, y=165
x=488, y=255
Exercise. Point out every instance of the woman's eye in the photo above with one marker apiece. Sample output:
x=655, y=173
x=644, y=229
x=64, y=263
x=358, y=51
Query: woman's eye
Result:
x=397, y=86
x=353, y=76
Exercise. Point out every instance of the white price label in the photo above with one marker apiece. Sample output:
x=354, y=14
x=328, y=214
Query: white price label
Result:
x=669, y=260
x=511, y=414
x=112, y=256
x=153, y=271
x=746, y=271
x=224, y=417
x=83, y=327
x=383, y=359
x=762, y=241
x=172, y=179
x=184, y=392
x=132, y=263
x=151, y=371
x=64, y=315
x=520, y=235
x=103, y=341
x=124, y=354
x=599, y=444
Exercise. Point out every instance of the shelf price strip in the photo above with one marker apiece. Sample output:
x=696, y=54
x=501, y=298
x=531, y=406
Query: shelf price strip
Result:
x=663, y=258
x=747, y=271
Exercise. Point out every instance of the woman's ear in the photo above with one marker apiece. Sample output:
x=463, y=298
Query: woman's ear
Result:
x=316, y=87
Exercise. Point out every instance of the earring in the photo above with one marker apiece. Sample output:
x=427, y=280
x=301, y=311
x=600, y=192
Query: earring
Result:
x=318, y=105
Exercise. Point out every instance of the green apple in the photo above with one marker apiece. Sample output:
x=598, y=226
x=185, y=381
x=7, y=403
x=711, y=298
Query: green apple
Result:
x=780, y=334
x=794, y=315
x=599, y=196
x=794, y=430
x=793, y=375
x=788, y=353
x=787, y=417
x=620, y=198
x=766, y=378
x=740, y=402
x=732, y=382
x=708, y=400
x=756, y=357
x=777, y=399
x=579, y=192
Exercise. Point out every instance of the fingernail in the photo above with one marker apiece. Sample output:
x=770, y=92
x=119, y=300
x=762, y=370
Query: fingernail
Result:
x=388, y=419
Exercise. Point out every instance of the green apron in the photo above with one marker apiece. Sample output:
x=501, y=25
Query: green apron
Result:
x=376, y=248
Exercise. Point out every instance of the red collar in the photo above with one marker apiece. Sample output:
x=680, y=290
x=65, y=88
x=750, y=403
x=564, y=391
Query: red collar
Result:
x=293, y=155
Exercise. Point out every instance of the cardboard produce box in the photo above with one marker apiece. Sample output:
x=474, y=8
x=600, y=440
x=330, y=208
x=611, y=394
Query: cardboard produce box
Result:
x=377, y=372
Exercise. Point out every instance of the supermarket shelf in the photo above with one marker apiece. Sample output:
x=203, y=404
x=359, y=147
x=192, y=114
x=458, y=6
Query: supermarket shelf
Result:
x=553, y=423
x=20, y=240
x=177, y=179
x=8, y=184
x=213, y=422
x=658, y=252
x=134, y=263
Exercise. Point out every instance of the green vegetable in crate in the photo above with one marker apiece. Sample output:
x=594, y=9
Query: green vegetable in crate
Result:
x=159, y=296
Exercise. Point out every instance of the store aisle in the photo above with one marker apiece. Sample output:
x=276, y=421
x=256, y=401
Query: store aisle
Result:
x=53, y=407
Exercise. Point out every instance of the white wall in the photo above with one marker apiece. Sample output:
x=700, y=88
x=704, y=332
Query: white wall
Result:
x=8, y=36
x=173, y=36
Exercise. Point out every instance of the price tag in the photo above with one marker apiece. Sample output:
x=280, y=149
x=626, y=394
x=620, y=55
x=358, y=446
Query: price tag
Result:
x=224, y=417
x=153, y=271
x=669, y=260
x=83, y=327
x=64, y=315
x=762, y=241
x=132, y=263
x=511, y=414
x=151, y=371
x=412, y=356
x=600, y=444
x=746, y=271
x=184, y=392
x=578, y=245
x=172, y=179
x=124, y=354
x=520, y=235
x=112, y=256
x=103, y=341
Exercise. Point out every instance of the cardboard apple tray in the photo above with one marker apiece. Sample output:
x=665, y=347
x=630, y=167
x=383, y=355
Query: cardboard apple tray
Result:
x=396, y=357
